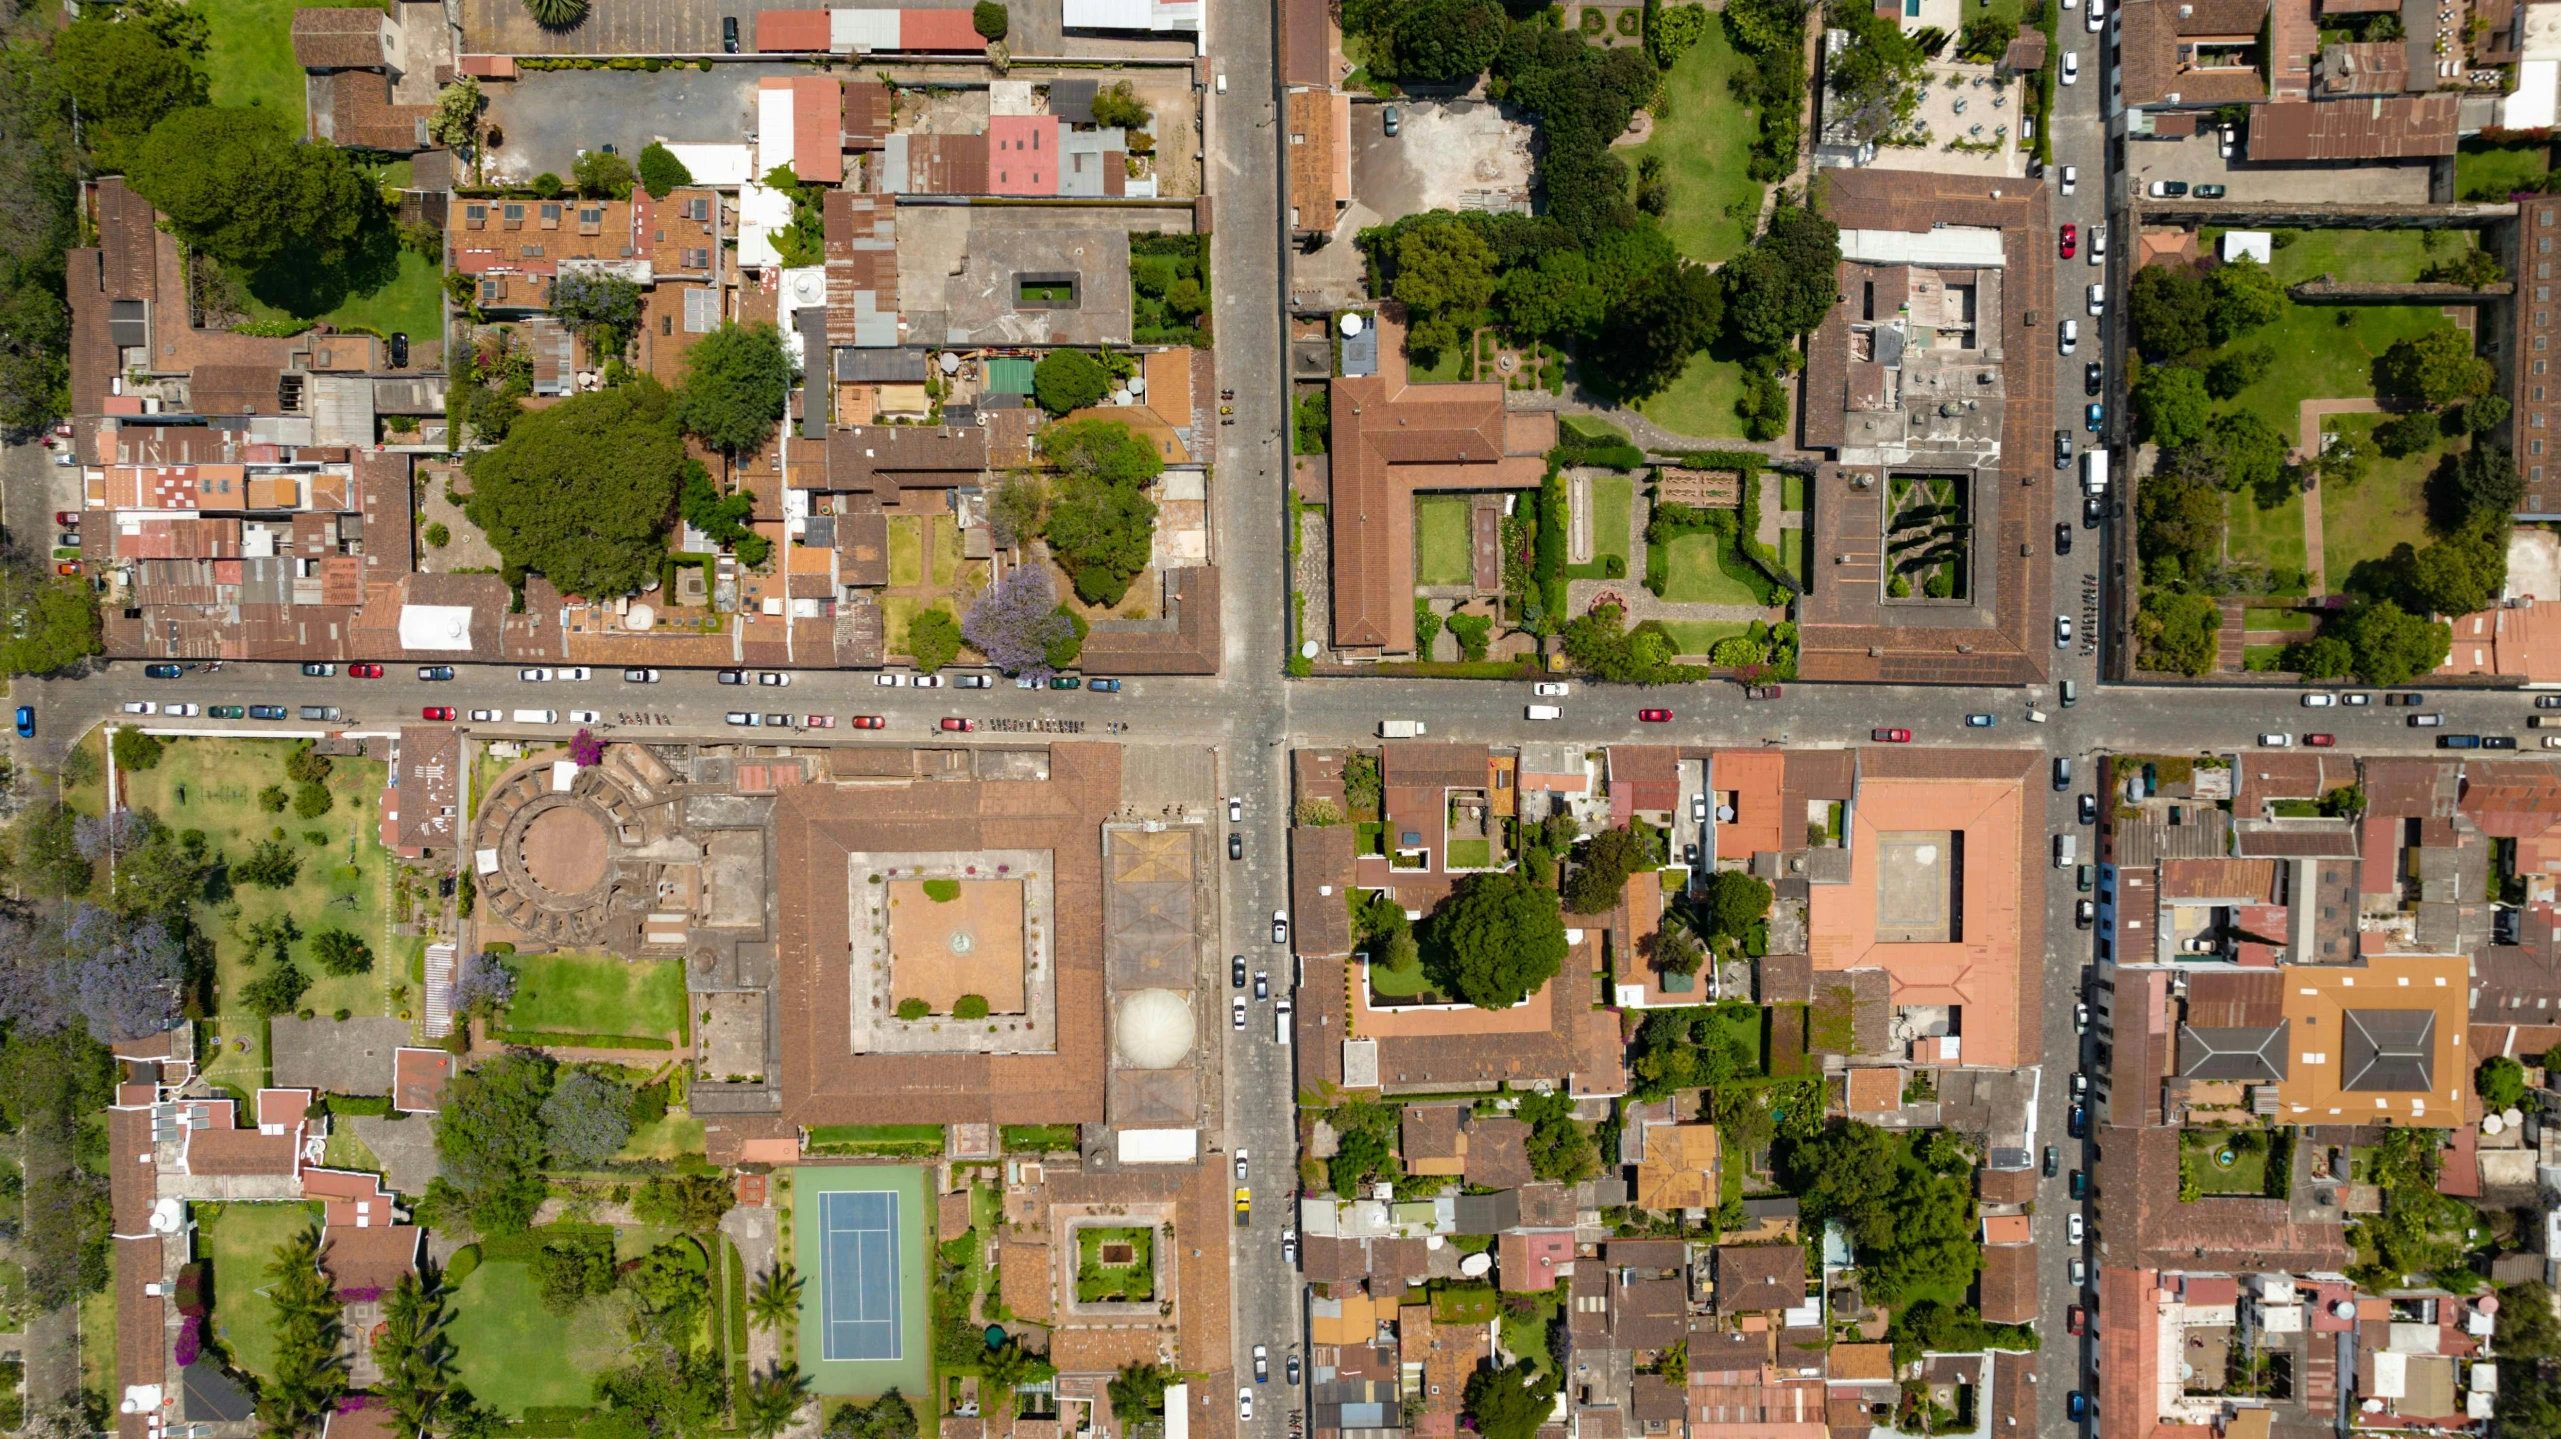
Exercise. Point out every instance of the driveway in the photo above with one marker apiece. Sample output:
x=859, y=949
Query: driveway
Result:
x=2196, y=161
x=1446, y=155
x=548, y=116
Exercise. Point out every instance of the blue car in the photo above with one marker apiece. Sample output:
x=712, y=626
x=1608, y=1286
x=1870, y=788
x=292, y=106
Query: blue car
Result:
x=161, y=672
x=26, y=721
x=2079, y=1406
x=2098, y=417
x=267, y=712
x=1981, y=721
x=1109, y=687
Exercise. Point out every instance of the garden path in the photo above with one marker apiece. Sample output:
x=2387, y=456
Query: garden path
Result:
x=2307, y=446
x=2229, y=638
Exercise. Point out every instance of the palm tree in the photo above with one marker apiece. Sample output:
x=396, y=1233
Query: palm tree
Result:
x=774, y=1300
x=416, y=1362
x=772, y=1399
x=556, y=14
x=308, y=1376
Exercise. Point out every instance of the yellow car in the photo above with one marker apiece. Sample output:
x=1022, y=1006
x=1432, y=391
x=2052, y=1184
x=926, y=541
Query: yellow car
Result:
x=1244, y=1207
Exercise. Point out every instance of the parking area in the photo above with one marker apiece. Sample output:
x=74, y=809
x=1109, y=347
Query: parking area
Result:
x=959, y=267
x=548, y=116
x=1446, y=155
x=2196, y=160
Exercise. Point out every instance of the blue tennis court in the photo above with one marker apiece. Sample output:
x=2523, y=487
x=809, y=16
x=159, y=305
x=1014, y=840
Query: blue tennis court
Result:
x=859, y=1285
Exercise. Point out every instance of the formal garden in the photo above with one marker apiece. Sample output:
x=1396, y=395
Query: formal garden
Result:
x=595, y=1001
x=2254, y=1163
x=1116, y=1264
x=2400, y=505
x=1928, y=537
x=2491, y=170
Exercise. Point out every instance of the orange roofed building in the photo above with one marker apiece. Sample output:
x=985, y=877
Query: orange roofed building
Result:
x=2382, y=1041
x=1392, y=440
x=1939, y=856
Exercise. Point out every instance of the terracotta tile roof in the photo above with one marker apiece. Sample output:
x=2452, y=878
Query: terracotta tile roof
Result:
x=2008, y=1284
x=1190, y=646
x=2424, y=788
x=1320, y=158
x=1529, y=1260
x=2153, y=69
x=1320, y=867
x=1497, y=1153
x=2375, y=128
x=360, y=1259
x=1649, y=1313
x=339, y=39
x=1429, y=1136
x=1306, y=43
x=1759, y=1277
x=2241, y=999
x=2013, y=1393
x=2138, y=1169
x=141, y=1327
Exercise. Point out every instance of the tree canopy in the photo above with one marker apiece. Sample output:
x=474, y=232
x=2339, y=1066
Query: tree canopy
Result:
x=581, y=493
x=1427, y=41
x=55, y=621
x=2246, y=296
x=2182, y=516
x=1600, y=875
x=237, y=184
x=126, y=75
x=737, y=381
x=2170, y=406
x=1510, y=1403
x=1785, y=282
x=490, y=1140
x=2434, y=368
x=661, y=172
x=1102, y=525
x=1443, y=273
x=1067, y=380
x=2168, y=305
x=2391, y=645
x=1497, y=938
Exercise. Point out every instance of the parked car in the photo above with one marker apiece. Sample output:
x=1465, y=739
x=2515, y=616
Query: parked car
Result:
x=68, y=569
x=2275, y=741
x=2356, y=699
x=820, y=722
x=141, y=707
x=1763, y=692
x=26, y=721
x=923, y=682
x=533, y=674
x=267, y=712
x=739, y=677
x=972, y=682
x=744, y=718
x=68, y=540
x=319, y=670
x=2070, y=243
x=772, y=677
x=2098, y=244
x=2498, y=741
x=2169, y=189
x=436, y=712
x=226, y=712
x=2080, y=1017
x=1655, y=716
x=2074, y=1229
x=435, y=672
x=2077, y=1406
x=2426, y=721
x=1235, y=844
x=1236, y=1011
x=1981, y=721
x=2062, y=632
x=1280, y=926
x=2080, y=1184
x=1262, y=987
x=1236, y=971
x=1890, y=736
x=957, y=724
x=1388, y=121
x=2050, y=1158
x=2067, y=336
x=2093, y=377
x=327, y=713
x=2076, y=1319
x=1289, y=1251
x=1557, y=689
x=2084, y=913
x=2077, y=1124
x=640, y=677
x=2062, y=449
x=161, y=672
x=484, y=716
x=584, y=717
x=2089, y=809
x=66, y=518
x=182, y=711
x=2095, y=417
x=728, y=34
x=366, y=671
x=2076, y=1272
x=2062, y=537
x=2458, y=741
x=2209, y=192
x=2072, y=63
x=1262, y=1364
x=2321, y=741
x=400, y=349
x=2071, y=178
x=870, y=722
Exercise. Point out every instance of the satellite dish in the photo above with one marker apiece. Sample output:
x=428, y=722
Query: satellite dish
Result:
x=1351, y=324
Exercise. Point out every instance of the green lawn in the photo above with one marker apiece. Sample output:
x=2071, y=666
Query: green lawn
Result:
x=2264, y=619
x=2246, y=1175
x=1791, y=491
x=1743, y=1024
x=1465, y=1304
x=598, y=994
x=240, y=1239
x=1404, y=983
x=677, y=1134
x=2384, y=256
x=1446, y=368
x=1526, y=1337
x=407, y=300
x=2388, y=507
x=249, y=56
x=2486, y=171
x=2271, y=537
x=1701, y=402
x=1698, y=637
x=2323, y=359
x=517, y=1355
x=1444, y=549
x=212, y=785
x=1470, y=854
x=1613, y=496
x=906, y=550
x=1706, y=145
x=1698, y=569
x=2261, y=657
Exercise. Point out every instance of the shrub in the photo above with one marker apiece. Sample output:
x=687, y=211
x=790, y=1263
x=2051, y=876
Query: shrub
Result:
x=942, y=891
x=273, y=799
x=137, y=751
x=437, y=536
x=661, y=171
x=991, y=20
x=913, y=1009
x=556, y=14
x=969, y=1006
x=311, y=801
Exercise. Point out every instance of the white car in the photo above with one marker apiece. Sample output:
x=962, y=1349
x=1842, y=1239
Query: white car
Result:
x=584, y=717
x=886, y=678
x=1551, y=689
x=2098, y=245
x=1245, y=1402
x=772, y=677
x=576, y=672
x=2098, y=298
x=2319, y=701
x=533, y=676
x=2062, y=632
x=1239, y=1011
x=2067, y=336
x=2224, y=146
x=926, y=682
x=1235, y=809
x=2072, y=1228
x=2276, y=741
x=1280, y=926
x=1240, y=1165
x=2077, y=1273
x=2552, y=741
x=2071, y=178
x=141, y=707
x=484, y=716
x=2072, y=61
x=182, y=711
x=2097, y=18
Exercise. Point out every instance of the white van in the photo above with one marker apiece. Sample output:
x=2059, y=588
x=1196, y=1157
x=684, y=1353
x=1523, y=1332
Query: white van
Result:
x=1545, y=712
x=536, y=716
x=2064, y=845
x=1280, y=1022
x=2094, y=472
x=1400, y=729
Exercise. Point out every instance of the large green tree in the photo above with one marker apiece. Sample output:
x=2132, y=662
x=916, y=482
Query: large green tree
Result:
x=1102, y=524
x=1427, y=41
x=490, y=1141
x=1067, y=380
x=1785, y=282
x=2170, y=407
x=2247, y=450
x=2176, y=632
x=1444, y=276
x=581, y=493
x=2392, y=645
x=1651, y=334
x=2434, y=368
x=236, y=183
x=2168, y=306
x=737, y=380
x=2459, y=574
x=2246, y=296
x=53, y=622
x=2180, y=515
x=126, y=76
x=1495, y=939
x=1510, y=1403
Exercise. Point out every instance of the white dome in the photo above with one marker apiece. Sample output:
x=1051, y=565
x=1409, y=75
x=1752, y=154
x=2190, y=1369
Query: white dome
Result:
x=1155, y=1029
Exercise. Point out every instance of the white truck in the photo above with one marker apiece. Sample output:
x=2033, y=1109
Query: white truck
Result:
x=1400, y=729
x=2094, y=472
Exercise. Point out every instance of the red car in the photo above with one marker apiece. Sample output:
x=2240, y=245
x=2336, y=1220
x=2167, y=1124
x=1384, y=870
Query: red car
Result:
x=955, y=722
x=822, y=721
x=437, y=712
x=2321, y=741
x=1655, y=716
x=1890, y=736
x=67, y=567
x=68, y=519
x=2078, y=1318
x=2071, y=240
x=870, y=722
x=365, y=672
